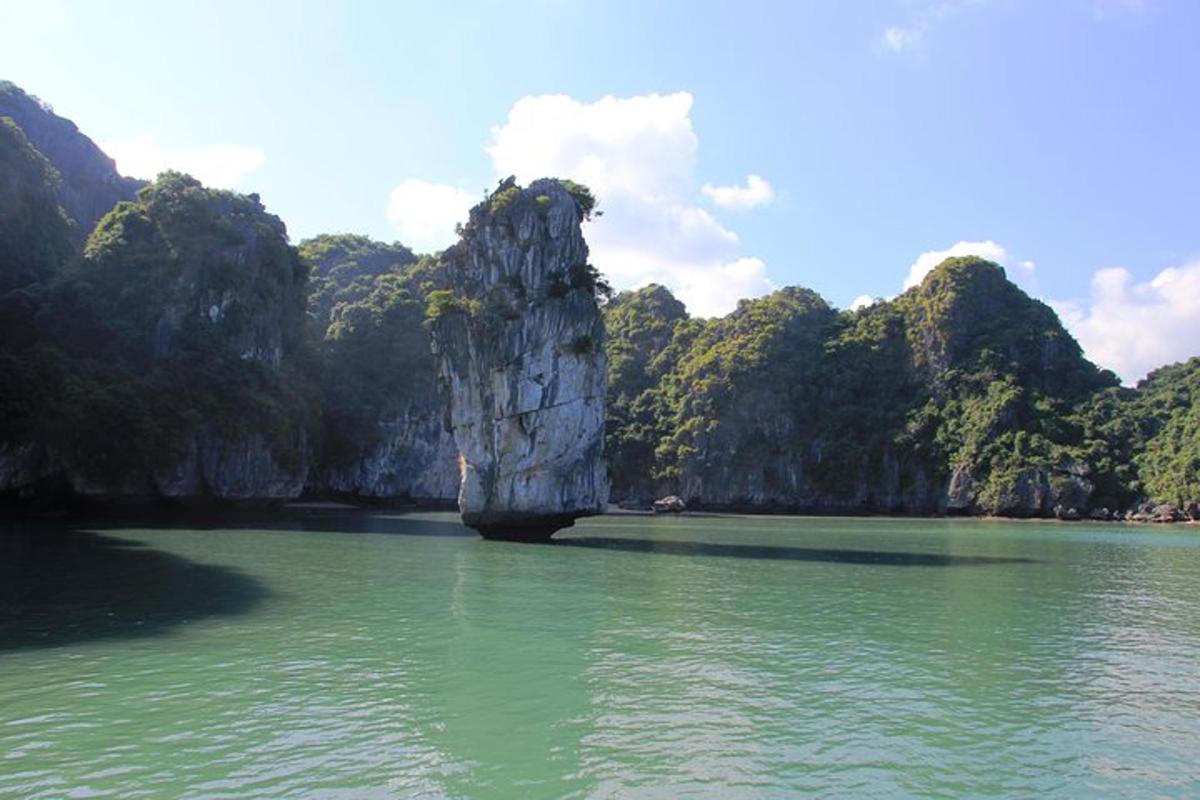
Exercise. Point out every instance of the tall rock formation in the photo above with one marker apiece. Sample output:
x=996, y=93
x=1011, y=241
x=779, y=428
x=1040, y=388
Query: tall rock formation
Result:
x=520, y=346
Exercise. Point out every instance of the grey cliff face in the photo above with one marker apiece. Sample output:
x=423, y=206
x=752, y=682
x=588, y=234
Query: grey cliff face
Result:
x=520, y=356
x=414, y=457
x=239, y=469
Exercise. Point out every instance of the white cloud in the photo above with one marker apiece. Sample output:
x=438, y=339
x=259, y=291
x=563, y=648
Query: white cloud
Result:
x=638, y=155
x=716, y=289
x=631, y=145
x=1022, y=273
x=425, y=214
x=219, y=165
x=1132, y=328
x=756, y=192
x=863, y=301
x=898, y=39
x=925, y=16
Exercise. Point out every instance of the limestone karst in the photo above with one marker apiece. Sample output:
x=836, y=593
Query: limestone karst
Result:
x=519, y=340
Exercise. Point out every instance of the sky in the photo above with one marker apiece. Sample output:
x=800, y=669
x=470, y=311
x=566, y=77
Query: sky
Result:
x=735, y=148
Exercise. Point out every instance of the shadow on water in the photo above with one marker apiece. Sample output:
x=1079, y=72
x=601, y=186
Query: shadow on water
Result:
x=373, y=522
x=782, y=553
x=60, y=585
x=288, y=520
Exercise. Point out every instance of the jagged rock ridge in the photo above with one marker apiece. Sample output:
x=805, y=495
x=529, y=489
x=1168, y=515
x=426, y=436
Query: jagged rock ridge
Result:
x=90, y=184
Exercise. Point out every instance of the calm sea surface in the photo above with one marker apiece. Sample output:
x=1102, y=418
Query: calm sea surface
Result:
x=348, y=655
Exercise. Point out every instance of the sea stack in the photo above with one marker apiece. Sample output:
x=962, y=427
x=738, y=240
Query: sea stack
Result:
x=519, y=341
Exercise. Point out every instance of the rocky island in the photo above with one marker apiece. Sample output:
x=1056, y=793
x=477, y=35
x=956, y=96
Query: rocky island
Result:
x=519, y=341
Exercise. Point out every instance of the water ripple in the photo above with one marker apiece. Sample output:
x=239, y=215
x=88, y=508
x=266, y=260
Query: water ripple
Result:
x=764, y=658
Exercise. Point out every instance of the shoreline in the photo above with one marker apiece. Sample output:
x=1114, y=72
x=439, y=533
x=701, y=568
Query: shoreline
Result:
x=885, y=515
x=158, y=509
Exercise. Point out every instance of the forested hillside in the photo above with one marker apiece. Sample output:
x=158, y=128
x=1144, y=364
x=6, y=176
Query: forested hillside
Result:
x=963, y=395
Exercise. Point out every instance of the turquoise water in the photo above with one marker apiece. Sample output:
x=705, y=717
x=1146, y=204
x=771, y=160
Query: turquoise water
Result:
x=365, y=655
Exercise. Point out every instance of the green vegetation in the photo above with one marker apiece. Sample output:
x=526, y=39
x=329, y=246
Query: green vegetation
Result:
x=582, y=346
x=35, y=245
x=508, y=193
x=367, y=306
x=590, y=279
x=187, y=316
x=640, y=324
x=788, y=403
x=444, y=302
x=183, y=317
x=1148, y=439
x=343, y=268
x=503, y=198
x=731, y=375
x=1168, y=406
x=34, y=232
x=1001, y=373
x=583, y=197
x=195, y=301
x=87, y=185
x=376, y=365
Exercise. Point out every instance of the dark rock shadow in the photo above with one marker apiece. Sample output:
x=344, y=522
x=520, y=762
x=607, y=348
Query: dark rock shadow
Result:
x=60, y=585
x=881, y=558
x=285, y=520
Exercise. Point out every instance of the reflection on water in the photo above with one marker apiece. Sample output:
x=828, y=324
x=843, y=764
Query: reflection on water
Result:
x=768, y=657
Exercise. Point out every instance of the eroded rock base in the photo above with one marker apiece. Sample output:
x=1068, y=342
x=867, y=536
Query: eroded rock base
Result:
x=516, y=528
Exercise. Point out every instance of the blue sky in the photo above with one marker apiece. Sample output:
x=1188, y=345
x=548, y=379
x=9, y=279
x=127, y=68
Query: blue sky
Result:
x=1057, y=137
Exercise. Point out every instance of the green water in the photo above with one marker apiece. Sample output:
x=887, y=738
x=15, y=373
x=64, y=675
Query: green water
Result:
x=385, y=655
